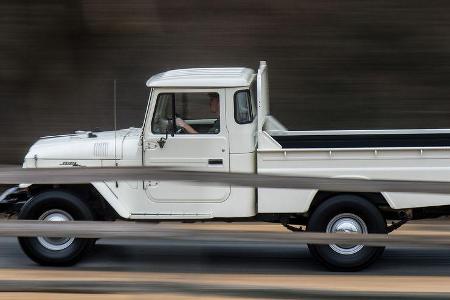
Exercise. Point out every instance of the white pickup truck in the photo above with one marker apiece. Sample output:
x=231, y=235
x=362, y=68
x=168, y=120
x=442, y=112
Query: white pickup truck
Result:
x=217, y=120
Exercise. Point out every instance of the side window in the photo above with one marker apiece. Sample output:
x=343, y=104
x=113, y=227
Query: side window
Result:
x=195, y=113
x=254, y=100
x=243, y=107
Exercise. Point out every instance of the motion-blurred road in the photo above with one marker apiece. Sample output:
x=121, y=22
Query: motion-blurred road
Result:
x=162, y=269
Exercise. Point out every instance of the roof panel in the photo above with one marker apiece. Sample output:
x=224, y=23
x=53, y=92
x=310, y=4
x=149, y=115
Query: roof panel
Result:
x=203, y=77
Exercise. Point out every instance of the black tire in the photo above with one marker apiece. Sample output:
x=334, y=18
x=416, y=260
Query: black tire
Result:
x=57, y=202
x=344, y=207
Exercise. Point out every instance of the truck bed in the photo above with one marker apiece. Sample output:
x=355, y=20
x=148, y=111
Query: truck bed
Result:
x=408, y=154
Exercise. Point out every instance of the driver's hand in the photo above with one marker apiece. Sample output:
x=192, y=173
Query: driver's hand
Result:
x=180, y=122
x=186, y=128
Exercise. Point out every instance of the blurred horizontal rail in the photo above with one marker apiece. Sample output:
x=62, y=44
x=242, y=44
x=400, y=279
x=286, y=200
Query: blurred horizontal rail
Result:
x=217, y=291
x=14, y=175
x=104, y=229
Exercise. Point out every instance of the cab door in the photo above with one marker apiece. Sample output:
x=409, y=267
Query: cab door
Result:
x=204, y=148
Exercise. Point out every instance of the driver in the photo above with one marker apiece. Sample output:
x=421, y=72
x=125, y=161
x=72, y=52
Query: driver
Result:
x=214, y=107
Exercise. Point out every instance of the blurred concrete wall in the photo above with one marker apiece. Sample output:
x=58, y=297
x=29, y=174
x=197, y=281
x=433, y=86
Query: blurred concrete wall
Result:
x=333, y=64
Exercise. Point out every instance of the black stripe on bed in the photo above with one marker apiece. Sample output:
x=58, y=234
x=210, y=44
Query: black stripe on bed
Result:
x=364, y=140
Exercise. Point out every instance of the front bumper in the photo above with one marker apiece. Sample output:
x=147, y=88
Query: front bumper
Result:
x=12, y=200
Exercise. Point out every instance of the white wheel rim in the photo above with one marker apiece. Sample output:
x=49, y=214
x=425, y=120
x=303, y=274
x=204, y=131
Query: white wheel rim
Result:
x=55, y=243
x=346, y=223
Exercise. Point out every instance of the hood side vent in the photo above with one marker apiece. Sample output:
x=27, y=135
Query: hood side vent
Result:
x=101, y=149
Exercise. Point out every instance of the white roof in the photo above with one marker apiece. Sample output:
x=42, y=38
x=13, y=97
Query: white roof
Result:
x=203, y=77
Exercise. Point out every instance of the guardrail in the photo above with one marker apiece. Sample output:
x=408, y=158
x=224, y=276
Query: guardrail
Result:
x=119, y=229
x=13, y=175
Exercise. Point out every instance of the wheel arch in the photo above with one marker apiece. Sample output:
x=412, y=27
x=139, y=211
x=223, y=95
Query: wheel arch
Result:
x=88, y=193
x=376, y=199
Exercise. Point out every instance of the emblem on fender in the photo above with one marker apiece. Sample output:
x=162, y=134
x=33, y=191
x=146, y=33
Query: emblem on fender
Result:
x=70, y=163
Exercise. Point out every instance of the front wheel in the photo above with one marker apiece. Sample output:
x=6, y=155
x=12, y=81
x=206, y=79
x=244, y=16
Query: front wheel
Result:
x=55, y=206
x=352, y=214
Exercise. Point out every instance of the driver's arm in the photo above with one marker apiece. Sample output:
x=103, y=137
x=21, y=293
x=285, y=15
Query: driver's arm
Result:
x=188, y=128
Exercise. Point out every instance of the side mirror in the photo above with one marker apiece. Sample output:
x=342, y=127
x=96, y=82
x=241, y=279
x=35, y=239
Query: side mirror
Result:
x=161, y=142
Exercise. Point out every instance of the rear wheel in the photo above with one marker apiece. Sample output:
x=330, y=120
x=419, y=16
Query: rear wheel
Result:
x=55, y=206
x=351, y=214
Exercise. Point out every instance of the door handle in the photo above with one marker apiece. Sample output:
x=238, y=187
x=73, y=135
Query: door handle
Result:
x=215, y=161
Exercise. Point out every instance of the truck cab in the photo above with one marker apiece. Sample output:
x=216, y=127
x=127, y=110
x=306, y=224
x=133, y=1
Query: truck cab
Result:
x=201, y=120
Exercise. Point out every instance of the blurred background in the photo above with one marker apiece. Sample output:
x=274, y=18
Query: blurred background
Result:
x=354, y=64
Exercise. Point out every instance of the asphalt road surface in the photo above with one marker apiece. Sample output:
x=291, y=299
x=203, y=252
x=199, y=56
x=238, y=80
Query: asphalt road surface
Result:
x=162, y=269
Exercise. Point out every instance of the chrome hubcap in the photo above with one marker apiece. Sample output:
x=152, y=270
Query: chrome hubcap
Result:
x=346, y=223
x=55, y=243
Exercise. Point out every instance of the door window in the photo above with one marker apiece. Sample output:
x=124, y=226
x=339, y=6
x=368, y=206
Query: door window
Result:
x=187, y=113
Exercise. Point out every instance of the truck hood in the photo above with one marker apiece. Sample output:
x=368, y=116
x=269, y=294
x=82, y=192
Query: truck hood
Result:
x=82, y=145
